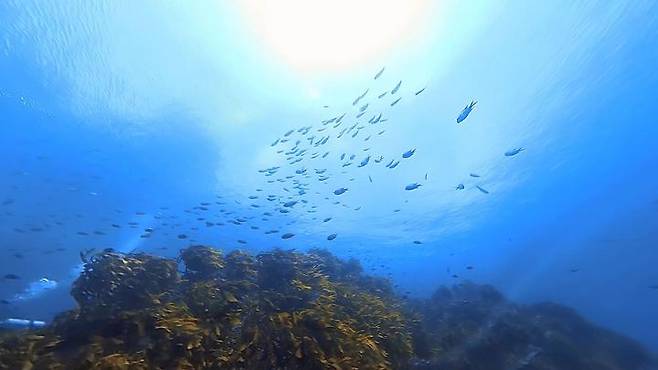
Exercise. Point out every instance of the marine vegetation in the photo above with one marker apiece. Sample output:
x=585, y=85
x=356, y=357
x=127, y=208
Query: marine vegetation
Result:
x=473, y=326
x=276, y=310
x=290, y=310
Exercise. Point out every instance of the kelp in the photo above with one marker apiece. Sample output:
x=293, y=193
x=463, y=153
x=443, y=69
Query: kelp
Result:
x=275, y=310
x=299, y=311
x=470, y=326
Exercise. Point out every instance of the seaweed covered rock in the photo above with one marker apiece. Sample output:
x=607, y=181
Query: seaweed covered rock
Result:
x=114, y=281
x=289, y=310
x=275, y=310
x=201, y=262
x=469, y=327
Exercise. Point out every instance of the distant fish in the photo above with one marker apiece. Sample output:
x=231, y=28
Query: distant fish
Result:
x=288, y=133
x=287, y=235
x=363, y=108
x=466, y=111
x=413, y=186
x=396, y=101
x=417, y=242
x=394, y=164
x=275, y=142
x=459, y=187
x=290, y=203
x=182, y=236
x=12, y=277
x=331, y=237
x=513, y=152
x=365, y=161
x=426, y=176
x=379, y=73
x=420, y=91
x=369, y=178
x=408, y=153
x=356, y=101
x=474, y=175
x=327, y=219
x=481, y=189
x=382, y=95
x=340, y=191
x=396, y=88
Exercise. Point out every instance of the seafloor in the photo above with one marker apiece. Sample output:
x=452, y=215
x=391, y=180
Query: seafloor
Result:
x=289, y=310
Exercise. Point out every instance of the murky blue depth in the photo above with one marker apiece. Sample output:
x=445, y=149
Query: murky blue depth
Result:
x=514, y=145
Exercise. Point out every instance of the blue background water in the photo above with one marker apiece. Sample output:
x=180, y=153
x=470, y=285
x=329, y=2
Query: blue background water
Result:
x=108, y=109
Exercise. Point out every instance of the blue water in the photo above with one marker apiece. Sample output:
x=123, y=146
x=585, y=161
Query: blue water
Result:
x=110, y=111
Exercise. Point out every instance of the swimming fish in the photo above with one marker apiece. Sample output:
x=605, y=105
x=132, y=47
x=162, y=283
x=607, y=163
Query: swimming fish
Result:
x=287, y=235
x=290, y=203
x=481, y=189
x=394, y=164
x=474, y=175
x=420, y=91
x=513, y=152
x=466, y=111
x=356, y=101
x=364, y=161
x=331, y=237
x=379, y=73
x=413, y=186
x=396, y=88
x=340, y=191
x=408, y=153
x=382, y=95
x=460, y=187
x=327, y=219
x=395, y=102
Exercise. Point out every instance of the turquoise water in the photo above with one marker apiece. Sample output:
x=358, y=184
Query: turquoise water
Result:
x=115, y=113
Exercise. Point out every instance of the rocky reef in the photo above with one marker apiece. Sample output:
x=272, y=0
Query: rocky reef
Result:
x=289, y=310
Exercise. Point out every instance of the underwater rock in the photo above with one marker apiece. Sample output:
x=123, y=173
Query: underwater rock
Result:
x=289, y=310
x=115, y=281
x=275, y=310
x=473, y=326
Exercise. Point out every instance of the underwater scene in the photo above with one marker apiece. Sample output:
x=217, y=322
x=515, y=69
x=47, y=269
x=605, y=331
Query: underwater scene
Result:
x=309, y=184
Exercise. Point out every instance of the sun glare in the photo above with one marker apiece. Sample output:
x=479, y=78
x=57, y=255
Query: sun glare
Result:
x=336, y=34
